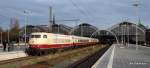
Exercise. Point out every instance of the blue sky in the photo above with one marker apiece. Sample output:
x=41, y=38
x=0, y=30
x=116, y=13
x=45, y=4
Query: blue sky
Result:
x=100, y=13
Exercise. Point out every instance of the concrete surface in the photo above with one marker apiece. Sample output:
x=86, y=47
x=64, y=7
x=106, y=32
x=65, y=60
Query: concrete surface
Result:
x=119, y=56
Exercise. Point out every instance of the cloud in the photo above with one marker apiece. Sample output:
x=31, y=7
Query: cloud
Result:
x=96, y=12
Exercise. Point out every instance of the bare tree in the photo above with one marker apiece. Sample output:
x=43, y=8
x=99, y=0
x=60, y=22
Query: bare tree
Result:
x=14, y=30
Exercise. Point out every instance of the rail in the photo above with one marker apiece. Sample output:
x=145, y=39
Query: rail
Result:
x=88, y=61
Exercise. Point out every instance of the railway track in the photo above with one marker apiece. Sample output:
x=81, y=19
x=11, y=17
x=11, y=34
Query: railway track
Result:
x=88, y=61
x=32, y=60
x=28, y=58
x=17, y=59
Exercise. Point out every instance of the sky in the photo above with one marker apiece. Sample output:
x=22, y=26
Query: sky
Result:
x=100, y=13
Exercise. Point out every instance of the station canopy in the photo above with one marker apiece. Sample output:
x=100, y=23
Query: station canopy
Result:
x=128, y=29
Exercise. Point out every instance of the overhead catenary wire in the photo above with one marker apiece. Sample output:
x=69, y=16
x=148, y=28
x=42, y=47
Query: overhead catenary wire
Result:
x=5, y=16
x=88, y=10
x=84, y=13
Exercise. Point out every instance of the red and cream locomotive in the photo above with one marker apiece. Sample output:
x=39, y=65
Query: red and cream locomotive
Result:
x=42, y=42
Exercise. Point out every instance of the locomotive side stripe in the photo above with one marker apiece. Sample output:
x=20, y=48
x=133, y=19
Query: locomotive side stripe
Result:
x=56, y=45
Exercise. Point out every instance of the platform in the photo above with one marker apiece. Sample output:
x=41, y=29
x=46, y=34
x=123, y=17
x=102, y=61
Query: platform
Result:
x=119, y=56
x=17, y=52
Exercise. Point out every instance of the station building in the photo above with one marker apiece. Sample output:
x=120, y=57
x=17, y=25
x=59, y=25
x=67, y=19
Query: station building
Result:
x=125, y=31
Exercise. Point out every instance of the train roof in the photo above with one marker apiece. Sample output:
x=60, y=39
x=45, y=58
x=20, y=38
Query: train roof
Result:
x=62, y=35
x=39, y=33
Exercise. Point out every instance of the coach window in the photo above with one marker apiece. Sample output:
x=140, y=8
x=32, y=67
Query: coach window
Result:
x=44, y=36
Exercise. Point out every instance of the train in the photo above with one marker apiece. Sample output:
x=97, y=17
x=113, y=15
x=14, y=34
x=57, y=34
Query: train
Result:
x=42, y=43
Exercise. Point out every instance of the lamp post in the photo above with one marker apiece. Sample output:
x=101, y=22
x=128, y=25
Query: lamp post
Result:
x=8, y=36
x=58, y=29
x=26, y=21
x=1, y=37
x=122, y=34
x=136, y=5
x=19, y=40
x=128, y=29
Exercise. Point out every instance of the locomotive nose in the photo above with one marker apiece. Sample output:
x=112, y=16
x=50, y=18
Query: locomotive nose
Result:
x=32, y=41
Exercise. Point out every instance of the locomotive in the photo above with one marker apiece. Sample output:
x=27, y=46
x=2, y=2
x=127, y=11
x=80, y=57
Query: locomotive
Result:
x=44, y=43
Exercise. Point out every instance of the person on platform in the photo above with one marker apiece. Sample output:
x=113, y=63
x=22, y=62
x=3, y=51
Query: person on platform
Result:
x=10, y=46
x=4, y=45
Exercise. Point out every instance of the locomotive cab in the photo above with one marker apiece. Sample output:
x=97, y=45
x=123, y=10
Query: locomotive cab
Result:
x=37, y=39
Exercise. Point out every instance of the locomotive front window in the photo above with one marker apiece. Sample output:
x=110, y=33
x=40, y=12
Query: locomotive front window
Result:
x=44, y=36
x=35, y=36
